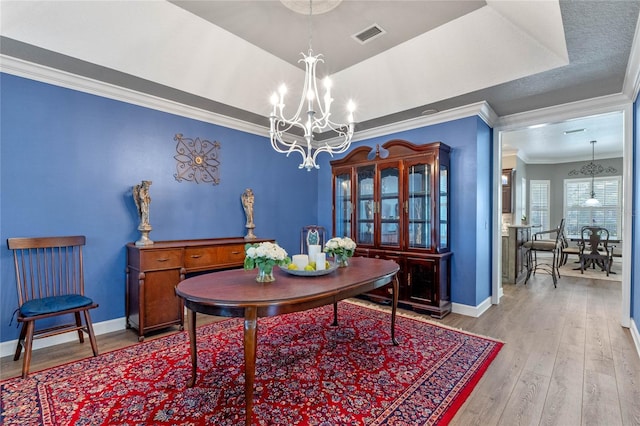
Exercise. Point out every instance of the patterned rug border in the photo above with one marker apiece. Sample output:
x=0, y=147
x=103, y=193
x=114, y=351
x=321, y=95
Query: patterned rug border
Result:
x=453, y=409
x=419, y=317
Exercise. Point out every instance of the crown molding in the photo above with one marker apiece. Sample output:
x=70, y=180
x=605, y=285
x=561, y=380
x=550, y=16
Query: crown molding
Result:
x=43, y=74
x=483, y=110
x=569, y=111
x=37, y=72
x=480, y=109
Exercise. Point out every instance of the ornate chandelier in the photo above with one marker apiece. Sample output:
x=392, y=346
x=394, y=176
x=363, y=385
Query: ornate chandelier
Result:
x=316, y=118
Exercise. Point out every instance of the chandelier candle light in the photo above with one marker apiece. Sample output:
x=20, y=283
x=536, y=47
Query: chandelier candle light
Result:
x=309, y=122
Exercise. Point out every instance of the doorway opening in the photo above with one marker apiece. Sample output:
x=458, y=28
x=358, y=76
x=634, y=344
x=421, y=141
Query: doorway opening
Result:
x=546, y=151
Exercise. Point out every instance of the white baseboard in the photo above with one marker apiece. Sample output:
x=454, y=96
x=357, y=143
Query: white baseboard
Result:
x=471, y=311
x=9, y=347
x=635, y=334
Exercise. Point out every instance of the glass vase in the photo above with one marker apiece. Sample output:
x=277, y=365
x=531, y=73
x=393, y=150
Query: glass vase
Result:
x=264, y=276
x=343, y=261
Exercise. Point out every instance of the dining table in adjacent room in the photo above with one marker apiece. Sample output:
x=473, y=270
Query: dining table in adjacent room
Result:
x=235, y=293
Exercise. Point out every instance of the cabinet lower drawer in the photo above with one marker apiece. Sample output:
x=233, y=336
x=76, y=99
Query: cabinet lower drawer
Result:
x=207, y=257
x=160, y=259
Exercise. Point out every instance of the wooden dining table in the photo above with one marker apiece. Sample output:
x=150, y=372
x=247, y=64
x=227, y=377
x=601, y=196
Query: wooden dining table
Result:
x=235, y=293
x=594, y=253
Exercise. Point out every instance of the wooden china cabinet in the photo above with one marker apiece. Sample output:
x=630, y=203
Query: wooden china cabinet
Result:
x=393, y=201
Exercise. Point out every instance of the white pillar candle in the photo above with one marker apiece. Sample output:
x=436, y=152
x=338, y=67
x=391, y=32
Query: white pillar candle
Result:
x=321, y=258
x=314, y=249
x=300, y=260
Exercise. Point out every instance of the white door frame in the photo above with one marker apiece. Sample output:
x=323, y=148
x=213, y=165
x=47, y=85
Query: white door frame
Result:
x=606, y=104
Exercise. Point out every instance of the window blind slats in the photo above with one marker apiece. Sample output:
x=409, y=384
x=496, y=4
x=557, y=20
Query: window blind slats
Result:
x=539, y=191
x=608, y=215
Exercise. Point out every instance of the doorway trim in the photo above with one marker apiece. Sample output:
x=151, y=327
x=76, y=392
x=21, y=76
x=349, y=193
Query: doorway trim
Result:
x=596, y=106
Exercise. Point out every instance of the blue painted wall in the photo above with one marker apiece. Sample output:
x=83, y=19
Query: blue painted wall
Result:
x=69, y=160
x=470, y=140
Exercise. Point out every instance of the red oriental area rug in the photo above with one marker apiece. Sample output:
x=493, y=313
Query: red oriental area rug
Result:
x=307, y=373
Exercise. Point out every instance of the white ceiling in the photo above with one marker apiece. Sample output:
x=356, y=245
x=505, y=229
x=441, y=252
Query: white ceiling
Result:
x=227, y=56
x=567, y=141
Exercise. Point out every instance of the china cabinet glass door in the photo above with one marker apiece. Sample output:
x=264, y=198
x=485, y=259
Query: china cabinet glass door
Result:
x=342, y=205
x=365, y=205
x=444, y=207
x=389, y=206
x=418, y=205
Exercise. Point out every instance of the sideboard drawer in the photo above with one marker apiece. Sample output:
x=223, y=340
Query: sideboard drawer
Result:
x=160, y=259
x=231, y=254
x=206, y=257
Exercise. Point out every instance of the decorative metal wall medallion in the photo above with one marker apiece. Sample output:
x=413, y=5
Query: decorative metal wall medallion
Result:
x=197, y=160
x=593, y=169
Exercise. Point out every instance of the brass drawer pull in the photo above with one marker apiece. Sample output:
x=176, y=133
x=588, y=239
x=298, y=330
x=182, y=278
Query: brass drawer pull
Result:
x=162, y=260
x=235, y=252
x=196, y=256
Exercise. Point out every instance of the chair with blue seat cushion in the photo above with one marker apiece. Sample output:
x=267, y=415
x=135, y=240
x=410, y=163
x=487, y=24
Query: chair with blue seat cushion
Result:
x=50, y=282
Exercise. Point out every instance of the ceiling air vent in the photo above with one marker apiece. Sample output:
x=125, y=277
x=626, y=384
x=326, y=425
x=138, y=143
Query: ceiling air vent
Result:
x=369, y=34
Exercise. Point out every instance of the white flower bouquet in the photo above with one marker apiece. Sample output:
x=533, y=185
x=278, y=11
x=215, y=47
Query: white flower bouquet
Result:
x=265, y=256
x=341, y=248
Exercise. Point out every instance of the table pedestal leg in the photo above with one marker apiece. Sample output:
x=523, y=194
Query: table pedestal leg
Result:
x=250, y=342
x=394, y=307
x=191, y=326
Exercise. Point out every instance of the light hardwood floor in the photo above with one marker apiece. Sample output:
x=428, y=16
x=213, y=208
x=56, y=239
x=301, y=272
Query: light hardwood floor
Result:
x=566, y=360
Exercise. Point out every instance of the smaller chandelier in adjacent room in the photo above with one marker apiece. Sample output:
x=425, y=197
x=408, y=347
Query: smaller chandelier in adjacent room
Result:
x=591, y=168
x=313, y=116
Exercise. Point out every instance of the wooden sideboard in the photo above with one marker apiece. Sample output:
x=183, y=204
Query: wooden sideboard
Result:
x=153, y=272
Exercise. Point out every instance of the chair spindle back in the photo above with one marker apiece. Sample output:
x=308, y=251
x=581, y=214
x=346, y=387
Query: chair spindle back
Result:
x=48, y=266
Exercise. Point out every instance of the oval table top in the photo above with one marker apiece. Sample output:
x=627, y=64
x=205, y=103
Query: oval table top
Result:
x=237, y=288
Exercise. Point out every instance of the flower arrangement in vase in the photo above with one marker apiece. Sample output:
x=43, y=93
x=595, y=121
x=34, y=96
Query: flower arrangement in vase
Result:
x=265, y=256
x=341, y=248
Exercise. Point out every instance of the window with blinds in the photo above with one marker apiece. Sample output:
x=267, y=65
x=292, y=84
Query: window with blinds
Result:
x=609, y=215
x=539, y=215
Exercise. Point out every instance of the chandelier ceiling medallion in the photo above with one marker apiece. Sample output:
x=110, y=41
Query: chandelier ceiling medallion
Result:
x=317, y=117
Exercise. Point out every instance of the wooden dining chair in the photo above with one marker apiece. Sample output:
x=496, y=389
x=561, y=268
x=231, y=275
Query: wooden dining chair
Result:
x=50, y=283
x=594, y=249
x=568, y=249
x=312, y=235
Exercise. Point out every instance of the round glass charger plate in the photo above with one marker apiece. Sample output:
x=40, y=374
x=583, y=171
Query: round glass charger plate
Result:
x=303, y=273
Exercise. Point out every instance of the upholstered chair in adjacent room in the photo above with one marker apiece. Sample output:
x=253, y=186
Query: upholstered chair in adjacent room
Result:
x=552, y=246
